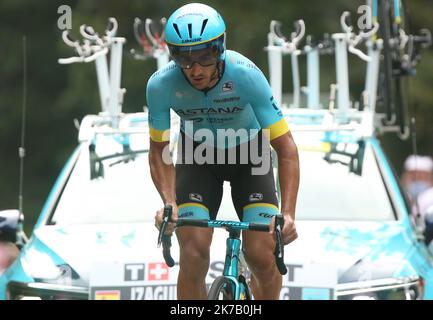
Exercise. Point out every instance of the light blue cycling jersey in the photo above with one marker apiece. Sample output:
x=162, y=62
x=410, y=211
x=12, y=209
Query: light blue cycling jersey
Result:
x=242, y=99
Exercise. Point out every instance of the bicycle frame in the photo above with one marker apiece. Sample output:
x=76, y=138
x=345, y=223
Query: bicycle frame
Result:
x=231, y=265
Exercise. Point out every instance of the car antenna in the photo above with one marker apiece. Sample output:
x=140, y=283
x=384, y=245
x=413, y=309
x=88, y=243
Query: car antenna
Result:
x=21, y=150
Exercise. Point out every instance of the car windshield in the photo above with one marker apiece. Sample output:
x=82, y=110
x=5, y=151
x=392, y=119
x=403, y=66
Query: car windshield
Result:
x=119, y=188
x=342, y=185
x=109, y=185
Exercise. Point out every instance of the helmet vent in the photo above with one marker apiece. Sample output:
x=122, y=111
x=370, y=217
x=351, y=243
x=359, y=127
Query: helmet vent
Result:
x=203, y=26
x=190, y=30
x=176, y=28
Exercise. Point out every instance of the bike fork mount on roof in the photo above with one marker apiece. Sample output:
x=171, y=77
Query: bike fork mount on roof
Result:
x=341, y=109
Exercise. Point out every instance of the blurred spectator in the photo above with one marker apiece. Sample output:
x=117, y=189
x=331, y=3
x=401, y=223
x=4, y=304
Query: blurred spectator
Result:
x=417, y=176
x=8, y=253
x=417, y=180
x=424, y=207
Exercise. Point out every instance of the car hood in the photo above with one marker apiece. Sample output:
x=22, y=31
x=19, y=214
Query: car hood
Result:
x=81, y=246
x=346, y=245
x=379, y=247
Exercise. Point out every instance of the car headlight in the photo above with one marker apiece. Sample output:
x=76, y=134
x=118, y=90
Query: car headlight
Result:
x=44, y=291
x=382, y=289
x=41, y=268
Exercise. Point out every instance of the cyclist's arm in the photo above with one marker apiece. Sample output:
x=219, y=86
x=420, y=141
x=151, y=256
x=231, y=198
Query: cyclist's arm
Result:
x=163, y=174
x=288, y=172
x=160, y=162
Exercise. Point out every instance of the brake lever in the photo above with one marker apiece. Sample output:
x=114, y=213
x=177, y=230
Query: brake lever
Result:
x=279, y=247
x=168, y=211
x=166, y=245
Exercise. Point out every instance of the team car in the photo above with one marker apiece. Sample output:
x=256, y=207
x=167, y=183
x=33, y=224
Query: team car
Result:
x=95, y=237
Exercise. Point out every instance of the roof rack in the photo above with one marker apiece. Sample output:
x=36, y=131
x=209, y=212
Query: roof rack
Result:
x=94, y=47
x=341, y=113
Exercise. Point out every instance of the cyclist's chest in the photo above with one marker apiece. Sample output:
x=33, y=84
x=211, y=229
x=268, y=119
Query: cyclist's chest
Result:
x=224, y=103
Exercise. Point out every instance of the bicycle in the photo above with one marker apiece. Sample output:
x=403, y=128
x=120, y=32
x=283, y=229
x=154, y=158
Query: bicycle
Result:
x=232, y=285
x=401, y=53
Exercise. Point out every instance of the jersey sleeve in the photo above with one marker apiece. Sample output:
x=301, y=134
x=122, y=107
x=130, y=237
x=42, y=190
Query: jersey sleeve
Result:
x=159, y=109
x=263, y=103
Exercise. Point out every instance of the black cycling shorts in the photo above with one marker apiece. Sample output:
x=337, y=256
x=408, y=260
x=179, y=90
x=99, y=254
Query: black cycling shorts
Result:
x=199, y=187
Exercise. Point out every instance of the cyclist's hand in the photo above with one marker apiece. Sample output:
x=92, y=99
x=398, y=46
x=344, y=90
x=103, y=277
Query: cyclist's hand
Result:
x=289, y=233
x=289, y=230
x=171, y=225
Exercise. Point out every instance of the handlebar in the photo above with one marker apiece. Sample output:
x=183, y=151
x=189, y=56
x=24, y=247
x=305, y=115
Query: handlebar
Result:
x=229, y=225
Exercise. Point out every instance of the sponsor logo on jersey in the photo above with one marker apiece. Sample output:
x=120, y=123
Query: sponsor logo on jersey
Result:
x=274, y=105
x=196, y=197
x=186, y=214
x=256, y=196
x=266, y=215
x=227, y=86
x=195, y=111
x=229, y=99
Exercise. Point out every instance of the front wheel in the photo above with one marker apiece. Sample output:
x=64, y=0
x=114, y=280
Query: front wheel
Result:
x=221, y=289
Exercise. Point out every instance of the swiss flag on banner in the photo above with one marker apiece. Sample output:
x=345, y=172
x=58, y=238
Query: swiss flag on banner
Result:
x=157, y=271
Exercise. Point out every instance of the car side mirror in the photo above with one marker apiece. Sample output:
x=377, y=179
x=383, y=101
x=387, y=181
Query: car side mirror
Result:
x=8, y=225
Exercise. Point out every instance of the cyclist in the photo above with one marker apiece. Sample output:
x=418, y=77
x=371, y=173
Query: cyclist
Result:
x=215, y=90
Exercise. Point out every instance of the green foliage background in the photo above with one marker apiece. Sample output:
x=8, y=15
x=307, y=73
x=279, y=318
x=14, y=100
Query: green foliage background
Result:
x=57, y=94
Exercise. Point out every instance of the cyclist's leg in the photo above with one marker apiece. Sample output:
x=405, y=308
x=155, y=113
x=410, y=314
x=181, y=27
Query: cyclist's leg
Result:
x=198, y=194
x=255, y=200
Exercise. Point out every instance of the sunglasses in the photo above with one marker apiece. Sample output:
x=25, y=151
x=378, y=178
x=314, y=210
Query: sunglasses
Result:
x=204, y=57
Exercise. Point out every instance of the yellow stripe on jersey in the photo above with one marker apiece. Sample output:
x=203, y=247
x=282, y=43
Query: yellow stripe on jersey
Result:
x=192, y=204
x=277, y=129
x=261, y=204
x=159, y=135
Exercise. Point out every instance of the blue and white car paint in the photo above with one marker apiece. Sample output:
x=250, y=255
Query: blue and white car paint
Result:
x=95, y=238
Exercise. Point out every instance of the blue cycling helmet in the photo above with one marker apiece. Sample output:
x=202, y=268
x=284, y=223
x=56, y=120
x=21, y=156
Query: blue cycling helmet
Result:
x=193, y=27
